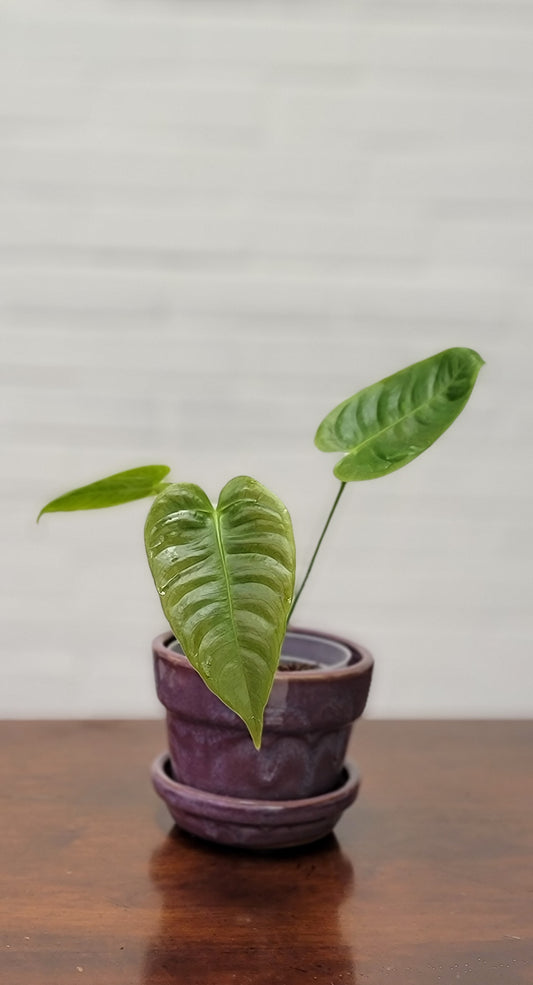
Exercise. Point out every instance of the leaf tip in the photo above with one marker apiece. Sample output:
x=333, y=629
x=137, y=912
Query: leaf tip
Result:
x=467, y=353
x=477, y=357
x=255, y=728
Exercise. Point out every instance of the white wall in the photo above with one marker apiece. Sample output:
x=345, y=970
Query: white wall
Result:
x=219, y=219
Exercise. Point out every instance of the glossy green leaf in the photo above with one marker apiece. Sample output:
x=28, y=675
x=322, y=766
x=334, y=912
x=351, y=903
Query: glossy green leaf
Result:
x=387, y=425
x=123, y=487
x=225, y=576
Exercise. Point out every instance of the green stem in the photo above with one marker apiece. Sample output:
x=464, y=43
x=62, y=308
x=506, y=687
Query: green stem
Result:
x=317, y=548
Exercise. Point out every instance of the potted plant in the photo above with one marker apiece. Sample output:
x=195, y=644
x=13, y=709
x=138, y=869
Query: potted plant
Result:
x=259, y=713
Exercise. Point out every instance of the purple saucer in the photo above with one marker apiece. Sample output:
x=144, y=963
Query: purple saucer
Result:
x=255, y=824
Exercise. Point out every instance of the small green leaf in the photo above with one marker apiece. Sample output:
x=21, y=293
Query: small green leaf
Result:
x=123, y=487
x=387, y=425
x=225, y=577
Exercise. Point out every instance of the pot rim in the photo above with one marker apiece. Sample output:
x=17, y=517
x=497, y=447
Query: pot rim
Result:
x=363, y=660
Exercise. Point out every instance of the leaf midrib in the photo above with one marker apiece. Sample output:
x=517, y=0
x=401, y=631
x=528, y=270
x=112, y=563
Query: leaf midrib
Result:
x=218, y=534
x=382, y=431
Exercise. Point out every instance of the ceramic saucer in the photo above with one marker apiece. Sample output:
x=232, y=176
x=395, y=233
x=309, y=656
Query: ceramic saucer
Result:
x=255, y=824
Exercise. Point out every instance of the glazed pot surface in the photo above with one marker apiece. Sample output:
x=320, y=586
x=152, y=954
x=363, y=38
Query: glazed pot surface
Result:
x=307, y=724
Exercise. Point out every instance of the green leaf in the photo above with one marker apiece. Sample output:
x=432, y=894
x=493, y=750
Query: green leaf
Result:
x=115, y=489
x=225, y=577
x=387, y=425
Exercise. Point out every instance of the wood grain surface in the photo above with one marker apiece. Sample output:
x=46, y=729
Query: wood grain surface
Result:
x=428, y=878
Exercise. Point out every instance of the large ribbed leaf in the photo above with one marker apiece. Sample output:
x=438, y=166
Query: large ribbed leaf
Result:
x=225, y=576
x=123, y=487
x=387, y=425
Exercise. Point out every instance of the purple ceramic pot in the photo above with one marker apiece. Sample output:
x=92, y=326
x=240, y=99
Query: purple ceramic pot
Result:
x=307, y=721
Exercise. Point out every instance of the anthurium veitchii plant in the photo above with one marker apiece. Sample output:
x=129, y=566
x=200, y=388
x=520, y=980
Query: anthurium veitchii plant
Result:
x=225, y=574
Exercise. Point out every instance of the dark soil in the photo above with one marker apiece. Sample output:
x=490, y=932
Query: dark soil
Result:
x=288, y=664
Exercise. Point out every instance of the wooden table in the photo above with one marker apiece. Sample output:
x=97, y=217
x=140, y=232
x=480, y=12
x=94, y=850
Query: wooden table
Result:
x=427, y=880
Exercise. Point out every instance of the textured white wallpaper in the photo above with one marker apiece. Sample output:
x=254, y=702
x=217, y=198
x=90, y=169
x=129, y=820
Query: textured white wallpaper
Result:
x=218, y=220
